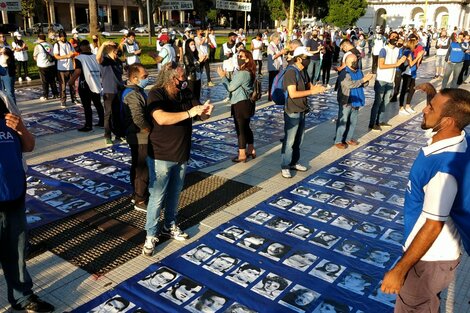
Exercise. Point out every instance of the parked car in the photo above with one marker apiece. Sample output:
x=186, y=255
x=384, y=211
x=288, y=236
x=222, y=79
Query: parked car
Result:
x=182, y=26
x=82, y=28
x=140, y=28
x=44, y=28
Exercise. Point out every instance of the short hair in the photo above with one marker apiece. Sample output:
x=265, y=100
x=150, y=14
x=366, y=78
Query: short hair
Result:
x=281, y=281
x=134, y=69
x=457, y=106
x=130, y=34
x=249, y=267
x=296, y=42
x=275, y=36
x=345, y=41
x=62, y=34
x=84, y=43
x=42, y=36
x=119, y=299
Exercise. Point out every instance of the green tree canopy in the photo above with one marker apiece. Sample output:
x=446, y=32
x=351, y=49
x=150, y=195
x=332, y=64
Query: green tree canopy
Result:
x=344, y=13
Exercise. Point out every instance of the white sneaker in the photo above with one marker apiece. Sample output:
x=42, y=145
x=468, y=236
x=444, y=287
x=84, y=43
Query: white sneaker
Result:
x=298, y=167
x=43, y=98
x=28, y=78
x=20, y=79
x=403, y=112
x=175, y=233
x=410, y=110
x=149, y=245
x=285, y=172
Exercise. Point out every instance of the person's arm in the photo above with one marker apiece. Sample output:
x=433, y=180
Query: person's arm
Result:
x=384, y=66
x=416, y=60
x=76, y=73
x=438, y=200
x=171, y=118
x=27, y=139
x=237, y=80
x=348, y=83
x=57, y=55
x=36, y=52
x=100, y=53
x=136, y=103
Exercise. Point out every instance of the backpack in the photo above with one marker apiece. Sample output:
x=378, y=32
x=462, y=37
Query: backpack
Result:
x=279, y=94
x=256, y=94
x=119, y=119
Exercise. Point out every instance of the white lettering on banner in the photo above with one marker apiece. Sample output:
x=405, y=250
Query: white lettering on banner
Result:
x=7, y=136
x=170, y=5
x=234, y=6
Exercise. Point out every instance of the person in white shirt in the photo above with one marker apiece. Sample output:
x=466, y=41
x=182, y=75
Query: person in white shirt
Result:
x=95, y=44
x=241, y=37
x=257, y=51
x=46, y=65
x=64, y=54
x=20, y=50
x=202, y=47
x=442, y=45
x=131, y=49
x=212, y=45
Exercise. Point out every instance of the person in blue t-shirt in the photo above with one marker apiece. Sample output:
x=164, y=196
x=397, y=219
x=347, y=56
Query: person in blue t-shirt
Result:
x=454, y=58
x=14, y=140
x=437, y=205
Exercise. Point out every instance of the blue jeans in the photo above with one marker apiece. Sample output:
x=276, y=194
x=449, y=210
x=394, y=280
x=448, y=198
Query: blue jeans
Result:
x=453, y=69
x=8, y=85
x=346, y=123
x=383, y=93
x=294, y=125
x=313, y=70
x=166, y=180
x=13, y=239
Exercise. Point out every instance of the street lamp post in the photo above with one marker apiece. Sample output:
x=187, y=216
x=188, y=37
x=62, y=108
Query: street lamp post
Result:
x=290, y=23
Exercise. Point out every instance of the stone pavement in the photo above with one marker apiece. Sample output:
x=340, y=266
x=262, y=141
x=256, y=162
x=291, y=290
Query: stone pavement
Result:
x=67, y=286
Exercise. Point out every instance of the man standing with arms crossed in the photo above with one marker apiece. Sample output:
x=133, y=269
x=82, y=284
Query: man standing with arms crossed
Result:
x=437, y=206
x=64, y=53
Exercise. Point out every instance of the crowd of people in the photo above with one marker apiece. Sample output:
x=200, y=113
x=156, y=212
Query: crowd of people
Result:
x=158, y=123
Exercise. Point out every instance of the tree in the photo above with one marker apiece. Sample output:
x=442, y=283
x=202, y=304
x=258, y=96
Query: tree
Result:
x=344, y=13
x=27, y=9
x=212, y=16
x=279, y=9
x=93, y=9
x=154, y=4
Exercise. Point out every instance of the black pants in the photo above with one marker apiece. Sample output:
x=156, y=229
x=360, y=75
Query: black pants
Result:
x=407, y=87
x=260, y=65
x=336, y=54
x=195, y=87
x=272, y=75
x=463, y=72
x=325, y=68
x=22, y=65
x=375, y=63
x=397, y=84
x=139, y=172
x=64, y=77
x=87, y=97
x=212, y=54
x=207, y=68
x=241, y=115
x=48, y=78
x=111, y=101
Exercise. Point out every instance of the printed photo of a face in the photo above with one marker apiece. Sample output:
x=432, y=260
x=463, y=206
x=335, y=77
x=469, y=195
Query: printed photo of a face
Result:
x=231, y=233
x=185, y=289
x=377, y=257
x=365, y=166
x=344, y=222
x=373, y=180
x=301, y=209
x=335, y=171
x=369, y=229
x=300, y=260
x=282, y=203
x=275, y=251
x=299, y=298
x=279, y=224
x=340, y=201
x=271, y=286
x=221, y=264
x=239, y=308
x=114, y=305
x=251, y=242
x=322, y=215
x=356, y=282
x=327, y=270
x=349, y=163
x=321, y=196
x=372, y=149
x=332, y=306
x=349, y=247
x=300, y=231
x=325, y=240
x=337, y=184
x=319, y=180
x=355, y=189
x=397, y=200
x=302, y=191
x=354, y=175
x=245, y=274
x=393, y=236
x=158, y=279
x=259, y=217
x=385, y=213
x=385, y=298
x=199, y=254
x=361, y=207
x=208, y=302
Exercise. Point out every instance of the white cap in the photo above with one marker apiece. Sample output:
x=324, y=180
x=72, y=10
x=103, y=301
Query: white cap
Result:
x=164, y=30
x=301, y=51
x=74, y=31
x=188, y=29
x=16, y=34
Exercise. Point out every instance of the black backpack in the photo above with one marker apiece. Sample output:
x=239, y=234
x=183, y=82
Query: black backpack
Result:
x=118, y=121
x=256, y=94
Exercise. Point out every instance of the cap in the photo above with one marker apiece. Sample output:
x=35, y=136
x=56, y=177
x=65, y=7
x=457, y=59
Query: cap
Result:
x=232, y=34
x=164, y=30
x=301, y=51
x=164, y=38
x=74, y=31
x=188, y=29
x=16, y=34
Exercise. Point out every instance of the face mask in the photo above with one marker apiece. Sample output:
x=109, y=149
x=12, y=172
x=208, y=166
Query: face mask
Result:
x=161, y=44
x=430, y=132
x=305, y=62
x=314, y=36
x=241, y=62
x=193, y=48
x=399, y=45
x=182, y=84
x=354, y=65
x=143, y=83
x=393, y=42
x=95, y=40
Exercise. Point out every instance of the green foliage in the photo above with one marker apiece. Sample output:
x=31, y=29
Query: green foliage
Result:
x=277, y=9
x=212, y=15
x=344, y=13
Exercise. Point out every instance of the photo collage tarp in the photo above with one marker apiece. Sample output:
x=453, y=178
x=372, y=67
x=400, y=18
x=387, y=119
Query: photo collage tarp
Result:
x=62, y=187
x=322, y=244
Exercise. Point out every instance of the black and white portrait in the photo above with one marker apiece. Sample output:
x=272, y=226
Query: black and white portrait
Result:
x=344, y=222
x=279, y=224
x=356, y=282
x=158, y=279
x=299, y=298
x=321, y=196
x=323, y=216
x=327, y=270
x=385, y=213
x=300, y=231
x=199, y=254
x=319, y=180
x=301, y=209
x=245, y=274
x=349, y=247
x=377, y=257
x=369, y=229
x=221, y=264
x=340, y=201
x=275, y=251
x=325, y=240
x=231, y=233
x=281, y=203
x=208, y=302
x=115, y=304
x=300, y=260
x=251, y=242
x=362, y=207
x=302, y=191
x=182, y=291
x=259, y=217
x=271, y=286
x=393, y=236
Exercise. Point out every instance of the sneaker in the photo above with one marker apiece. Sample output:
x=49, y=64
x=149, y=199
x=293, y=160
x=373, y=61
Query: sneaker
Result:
x=76, y=102
x=141, y=206
x=85, y=129
x=285, y=172
x=352, y=142
x=109, y=142
x=298, y=167
x=385, y=125
x=35, y=305
x=410, y=110
x=62, y=105
x=175, y=233
x=133, y=201
x=341, y=145
x=28, y=78
x=149, y=245
x=403, y=112
x=375, y=128
x=227, y=100
x=20, y=79
x=43, y=98
x=210, y=84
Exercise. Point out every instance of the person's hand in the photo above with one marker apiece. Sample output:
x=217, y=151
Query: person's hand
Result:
x=208, y=107
x=368, y=77
x=153, y=54
x=315, y=89
x=393, y=280
x=14, y=122
x=196, y=110
x=221, y=72
x=429, y=89
x=201, y=59
x=283, y=51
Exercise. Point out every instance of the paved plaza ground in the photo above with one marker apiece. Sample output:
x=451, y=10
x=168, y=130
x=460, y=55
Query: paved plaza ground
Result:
x=68, y=286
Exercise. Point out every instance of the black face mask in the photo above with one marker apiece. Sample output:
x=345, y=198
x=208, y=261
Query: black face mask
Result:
x=305, y=62
x=399, y=45
x=354, y=65
x=182, y=84
x=241, y=62
x=314, y=36
x=393, y=42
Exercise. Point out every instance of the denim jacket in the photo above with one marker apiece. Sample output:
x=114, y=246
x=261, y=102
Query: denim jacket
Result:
x=240, y=87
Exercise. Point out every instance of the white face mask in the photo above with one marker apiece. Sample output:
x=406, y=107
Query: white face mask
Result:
x=193, y=48
x=430, y=132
